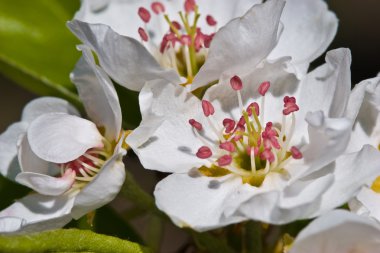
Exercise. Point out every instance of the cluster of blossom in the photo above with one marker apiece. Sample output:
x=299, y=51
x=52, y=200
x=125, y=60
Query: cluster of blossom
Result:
x=232, y=113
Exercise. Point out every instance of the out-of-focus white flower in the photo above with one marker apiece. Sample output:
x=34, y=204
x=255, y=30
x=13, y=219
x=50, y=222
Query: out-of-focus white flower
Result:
x=188, y=48
x=74, y=165
x=338, y=232
x=364, y=109
x=260, y=146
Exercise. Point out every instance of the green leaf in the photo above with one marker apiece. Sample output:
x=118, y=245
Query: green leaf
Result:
x=68, y=240
x=212, y=244
x=129, y=103
x=37, y=51
x=9, y=191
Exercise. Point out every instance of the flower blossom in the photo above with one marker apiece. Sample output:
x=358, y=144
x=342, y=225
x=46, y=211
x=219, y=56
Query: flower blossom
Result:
x=338, y=232
x=197, y=43
x=73, y=165
x=261, y=146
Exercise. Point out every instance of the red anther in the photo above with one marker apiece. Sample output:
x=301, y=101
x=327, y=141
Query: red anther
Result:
x=263, y=88
x=229, y=124
x=185, y=40
x=208, y=108
x=290, y=105
x=224, y=160
x=268, y=155
x=255, y=106
x=190, y=5
x=236, y=83
x=296, y=153
x=195, y=124
x=228, y=146
x=143, y=34
x=199, y=41
x=210, y=20
x=170, y=37
x=241, y=122
x=144, y=14
x=207, y=40
x=157, y=7
x=176, y=25
x=204, y=152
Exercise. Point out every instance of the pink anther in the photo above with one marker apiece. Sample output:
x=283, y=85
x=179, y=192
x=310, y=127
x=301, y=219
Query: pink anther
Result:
x=255, y=106
x=207, y=40
x=195, y=124
x=241, y=122
x=144, y=14
x=185, y=40
x=204, y=152
x=236, y=83
x=268, y=155
x=190, y=5
x=143, y=34
x=176, y=25
x=228, y=146
x=224, y=160
x=158, y=7
x=229, y=124
x=296, y=153
x=210, y=20
x=208, y=108
x=290, y=105
x=263, y=88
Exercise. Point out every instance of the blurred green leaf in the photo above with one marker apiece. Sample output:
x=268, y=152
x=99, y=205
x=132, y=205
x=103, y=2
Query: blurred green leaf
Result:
x=129, y=103
x=37, y=51
x=9, y=191
x=68, y=240
x=211, y=244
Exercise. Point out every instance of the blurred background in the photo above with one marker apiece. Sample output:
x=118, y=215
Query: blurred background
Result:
x=359, y=30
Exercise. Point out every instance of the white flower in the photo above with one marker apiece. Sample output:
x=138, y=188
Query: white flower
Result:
x=338, y=232
x=364, y=109
x=191, y=54
x=261, y=147
x=74, y=165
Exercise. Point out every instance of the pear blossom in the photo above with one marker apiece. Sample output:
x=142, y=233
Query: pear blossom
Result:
x=73, y=165
x=262, y=146
x=364, y=109
x=197, y=43
x=338, y=232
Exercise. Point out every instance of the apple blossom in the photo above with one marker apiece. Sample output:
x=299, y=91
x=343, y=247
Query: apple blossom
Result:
x=181, y=42
x=338, y=232
x=261, y=146
x=74, y=165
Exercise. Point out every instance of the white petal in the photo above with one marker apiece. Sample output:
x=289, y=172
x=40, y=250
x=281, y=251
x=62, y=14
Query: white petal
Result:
x=98, y=94
x=44, y=105
x=103, y=188
x=242, y=43
x=60, y=138
x=338, y=231
x=309, y=28
x=363, y=108
x=328, y=138
x=327, y=88
x=46, y=185
x=36, y=213
x=167, y=142
x=9, y=166
x=197, y=202
x=123, y=58
x=369, y=200
x=351, y=172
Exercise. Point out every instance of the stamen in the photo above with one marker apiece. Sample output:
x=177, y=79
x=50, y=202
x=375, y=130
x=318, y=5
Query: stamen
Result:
x=255, y=106
x=229, y=125
x=224, y=160
x=210, y=20
x=143, y=34
x=144, y=14
x=208, y=108
x=296, y=153
x=236, y=83
x=263, y=88
x=290, y=105
x=158, y=7
x=228, y=146
x=190, y=6
x=196, y=124
x=204, y=152
x=253, y=162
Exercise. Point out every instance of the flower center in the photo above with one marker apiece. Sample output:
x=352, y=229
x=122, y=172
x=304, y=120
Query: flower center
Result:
x=246, y=146
x=184, y=46
x=87, y=166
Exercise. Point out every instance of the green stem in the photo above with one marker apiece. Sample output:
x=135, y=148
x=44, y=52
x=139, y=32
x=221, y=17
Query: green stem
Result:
x=254, y=242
